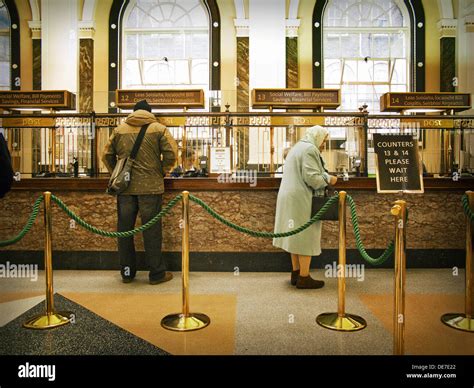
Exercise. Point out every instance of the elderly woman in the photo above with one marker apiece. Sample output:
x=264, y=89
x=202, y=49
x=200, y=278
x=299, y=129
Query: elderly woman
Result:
x=304, y=176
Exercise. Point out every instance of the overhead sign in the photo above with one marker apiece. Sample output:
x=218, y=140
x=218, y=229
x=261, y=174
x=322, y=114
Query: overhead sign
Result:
x=296, y=98
x=48, y=99
x=395, y=102
x=164, y=99
x=398, y=166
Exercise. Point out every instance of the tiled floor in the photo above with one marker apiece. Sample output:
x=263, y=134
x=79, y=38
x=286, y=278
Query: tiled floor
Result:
x=261, y=313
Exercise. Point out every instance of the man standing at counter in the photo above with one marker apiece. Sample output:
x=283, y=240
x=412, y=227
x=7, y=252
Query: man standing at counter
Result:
x=156, y=156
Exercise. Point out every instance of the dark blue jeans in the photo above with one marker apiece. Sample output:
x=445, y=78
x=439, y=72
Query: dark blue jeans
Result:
x=128, y=207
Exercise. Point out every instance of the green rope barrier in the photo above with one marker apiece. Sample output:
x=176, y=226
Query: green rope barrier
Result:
x=256, y=233
x=105, y=233
x=467, y=208
x=29, y=224
x=355, y=223
x=360, y=246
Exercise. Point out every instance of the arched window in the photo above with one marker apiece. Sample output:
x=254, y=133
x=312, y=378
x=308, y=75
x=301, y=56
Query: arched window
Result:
x=165, y=45
x=368, y=47
x=162, y=44
x=366, y=50
x=5, y=54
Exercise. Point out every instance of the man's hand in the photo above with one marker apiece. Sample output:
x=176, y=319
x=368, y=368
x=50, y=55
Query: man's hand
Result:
x=332, y=180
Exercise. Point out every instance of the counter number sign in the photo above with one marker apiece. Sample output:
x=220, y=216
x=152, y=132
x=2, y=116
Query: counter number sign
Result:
x=398, y=164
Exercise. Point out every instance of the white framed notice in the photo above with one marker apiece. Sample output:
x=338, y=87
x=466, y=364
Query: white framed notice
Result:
x=220, y=160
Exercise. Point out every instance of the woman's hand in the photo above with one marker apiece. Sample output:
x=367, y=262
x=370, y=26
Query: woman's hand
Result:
x=332, y=180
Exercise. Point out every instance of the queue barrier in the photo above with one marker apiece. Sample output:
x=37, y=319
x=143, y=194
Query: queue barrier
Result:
x=51, y=318
x=399, y=211
x=186, y=321
x=341, y=321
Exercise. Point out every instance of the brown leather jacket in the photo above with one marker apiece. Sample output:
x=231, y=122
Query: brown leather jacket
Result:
x=156, y=156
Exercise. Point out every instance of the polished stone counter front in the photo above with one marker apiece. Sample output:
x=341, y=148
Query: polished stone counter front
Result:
x=436, y=221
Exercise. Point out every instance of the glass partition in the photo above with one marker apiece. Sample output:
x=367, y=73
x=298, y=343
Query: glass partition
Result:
x=64, y=145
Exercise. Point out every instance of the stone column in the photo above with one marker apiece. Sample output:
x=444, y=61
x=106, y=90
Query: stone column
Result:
x=242, y=81
x=292, y=26
x=242, y=88
x=447, y=28
x=292, y=79
x=86, y=66
x=35, y=27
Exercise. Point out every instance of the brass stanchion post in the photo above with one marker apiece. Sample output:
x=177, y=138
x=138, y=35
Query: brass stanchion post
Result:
x=185, y=321
x=51, y=318
x=399, y=210
x=465, y=322
x=341, y=321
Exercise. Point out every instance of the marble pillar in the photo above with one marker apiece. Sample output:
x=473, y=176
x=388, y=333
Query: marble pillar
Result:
x=291, y=62
x=242, y=98
x=242, y=74
x=36, y=64
x=86, y=75
x=448, y=64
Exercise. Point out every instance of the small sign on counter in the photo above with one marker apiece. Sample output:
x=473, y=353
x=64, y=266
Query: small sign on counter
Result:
x=398, y=167
x=220, y=160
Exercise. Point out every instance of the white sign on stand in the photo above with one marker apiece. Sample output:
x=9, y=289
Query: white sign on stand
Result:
x=220, y=160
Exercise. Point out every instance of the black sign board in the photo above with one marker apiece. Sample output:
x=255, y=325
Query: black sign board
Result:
x=398, y=164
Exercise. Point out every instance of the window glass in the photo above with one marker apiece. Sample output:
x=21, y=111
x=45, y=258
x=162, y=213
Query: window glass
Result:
x=166, y=45
x=365, y=44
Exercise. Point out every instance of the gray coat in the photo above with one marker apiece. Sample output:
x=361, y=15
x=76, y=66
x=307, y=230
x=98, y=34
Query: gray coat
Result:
x=303, y=173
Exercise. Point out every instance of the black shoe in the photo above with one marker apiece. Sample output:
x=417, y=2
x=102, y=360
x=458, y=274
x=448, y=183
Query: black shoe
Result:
x=307, y=282
x=294, y=277
x=168, y=276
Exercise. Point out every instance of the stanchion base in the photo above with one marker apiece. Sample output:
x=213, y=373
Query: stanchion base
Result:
x=45, y=321
x=348, y=322
x=179, y=322
x=458, y=321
